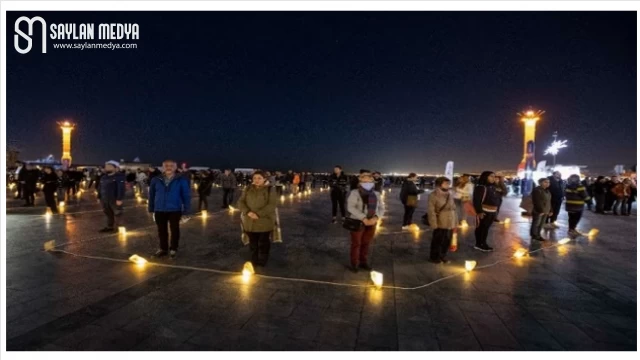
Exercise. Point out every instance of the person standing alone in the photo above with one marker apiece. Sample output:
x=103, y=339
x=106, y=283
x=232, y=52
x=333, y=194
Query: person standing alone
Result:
x=338, y=182
x=169, y=201
x=112, y=190
x=229, y=184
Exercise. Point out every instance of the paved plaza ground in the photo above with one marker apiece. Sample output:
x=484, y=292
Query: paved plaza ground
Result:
x=579, y=296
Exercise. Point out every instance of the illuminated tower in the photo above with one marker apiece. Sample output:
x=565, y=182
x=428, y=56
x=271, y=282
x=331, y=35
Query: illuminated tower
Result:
x=66, y=127
x=529, y=118
x=528, y=164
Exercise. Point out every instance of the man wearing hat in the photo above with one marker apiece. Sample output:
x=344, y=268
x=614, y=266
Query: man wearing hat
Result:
x=111, y=194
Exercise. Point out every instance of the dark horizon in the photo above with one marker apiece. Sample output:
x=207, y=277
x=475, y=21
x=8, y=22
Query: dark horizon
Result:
x=392, y=91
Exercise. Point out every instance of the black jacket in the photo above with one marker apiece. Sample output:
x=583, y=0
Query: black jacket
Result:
x=492, y=198
x=50, y=182
x=379, y=183
x=338, y=183
x=556, y=188
x=408, y=188
x=541, y=199
x=30, y=177
x=600, y=188
x=204, y=189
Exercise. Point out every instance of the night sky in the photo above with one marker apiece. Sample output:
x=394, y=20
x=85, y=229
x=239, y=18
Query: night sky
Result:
x=392, y=91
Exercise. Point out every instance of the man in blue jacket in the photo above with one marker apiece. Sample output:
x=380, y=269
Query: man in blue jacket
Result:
x=111, y=194
x=169, y=201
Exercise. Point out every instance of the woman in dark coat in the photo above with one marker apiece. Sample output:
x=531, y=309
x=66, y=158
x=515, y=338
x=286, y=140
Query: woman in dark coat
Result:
x=50, y=180
x=409, y=198
x=204, y=190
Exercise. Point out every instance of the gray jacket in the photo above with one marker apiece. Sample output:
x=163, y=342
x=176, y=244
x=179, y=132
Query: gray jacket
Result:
x=228, y=181
x=357, y=209
x=541, y=199
x=445, y=218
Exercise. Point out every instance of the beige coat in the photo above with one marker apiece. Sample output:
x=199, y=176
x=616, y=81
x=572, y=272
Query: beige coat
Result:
x=445, y=218
x=262, y=201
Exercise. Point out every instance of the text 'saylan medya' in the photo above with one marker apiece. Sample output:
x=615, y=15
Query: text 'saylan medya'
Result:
x=87, y=31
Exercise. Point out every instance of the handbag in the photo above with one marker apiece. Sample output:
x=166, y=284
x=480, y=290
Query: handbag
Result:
x=412, y=200
x=353, y=224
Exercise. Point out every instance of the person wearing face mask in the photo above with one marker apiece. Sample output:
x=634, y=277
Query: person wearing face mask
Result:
x=364, y=204
x=112, y=190
x=409, y=198
x=442, y=218
x=485, y=202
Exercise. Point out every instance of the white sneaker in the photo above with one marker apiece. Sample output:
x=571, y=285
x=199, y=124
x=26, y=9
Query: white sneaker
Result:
x=406, y=228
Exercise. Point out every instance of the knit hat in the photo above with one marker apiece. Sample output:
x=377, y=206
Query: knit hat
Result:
x=113, y=162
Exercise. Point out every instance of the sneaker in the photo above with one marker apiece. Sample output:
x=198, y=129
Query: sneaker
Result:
x=406, y=228
x=366, y=266
x=488, y=248
x=107, y=230
x=173, y=254
x=160, y=253
x=573, y=233
x=481, y=248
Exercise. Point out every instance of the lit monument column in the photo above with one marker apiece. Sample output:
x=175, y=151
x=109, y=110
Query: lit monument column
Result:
x=528, y=164
x=66, y=127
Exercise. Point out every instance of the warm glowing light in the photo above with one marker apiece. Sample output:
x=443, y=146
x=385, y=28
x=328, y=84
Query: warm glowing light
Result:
x=520, y=253
x=299, y=194
x=593, y=232
x=16, y=194
x=61, y=204
x=122, y=230
x=195, y=186
x=204, y=214
x=282, y=197
x=470, y=264
x=247, y=271
x=231, y=209
x=529, y=113
x=291, y=195
x=11, y=186
x=48, y=214
x=564, y=241
x=555, y=147
x=49, y=245
x=464, y=224
x=138, y=260
x=377, y=279
x=507, y=221
x=139, y=198
x=414, y=228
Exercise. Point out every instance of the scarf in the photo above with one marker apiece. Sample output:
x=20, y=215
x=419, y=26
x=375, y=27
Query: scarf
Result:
x=372, y=201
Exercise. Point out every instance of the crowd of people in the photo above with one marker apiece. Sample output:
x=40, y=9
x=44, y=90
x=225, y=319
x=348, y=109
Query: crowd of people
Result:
x=359, y=198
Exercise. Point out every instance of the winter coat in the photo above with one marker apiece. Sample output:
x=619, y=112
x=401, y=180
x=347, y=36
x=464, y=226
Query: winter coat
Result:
x=379, y=184
x=576, y=195
x=63, y=181
x=50, y=182
x=338, y=183
x=228, y=181
x=541, y=199
x=176, y=196
x=296, y=179
x=112, y=188
x=491, y=197
x=445, y=218
x=620, y=190
x=600, y=188
x=465, y=193
x=204, y=189
x=358, y=210
x=408, y=188
x=556, y=188
x=262, y=201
